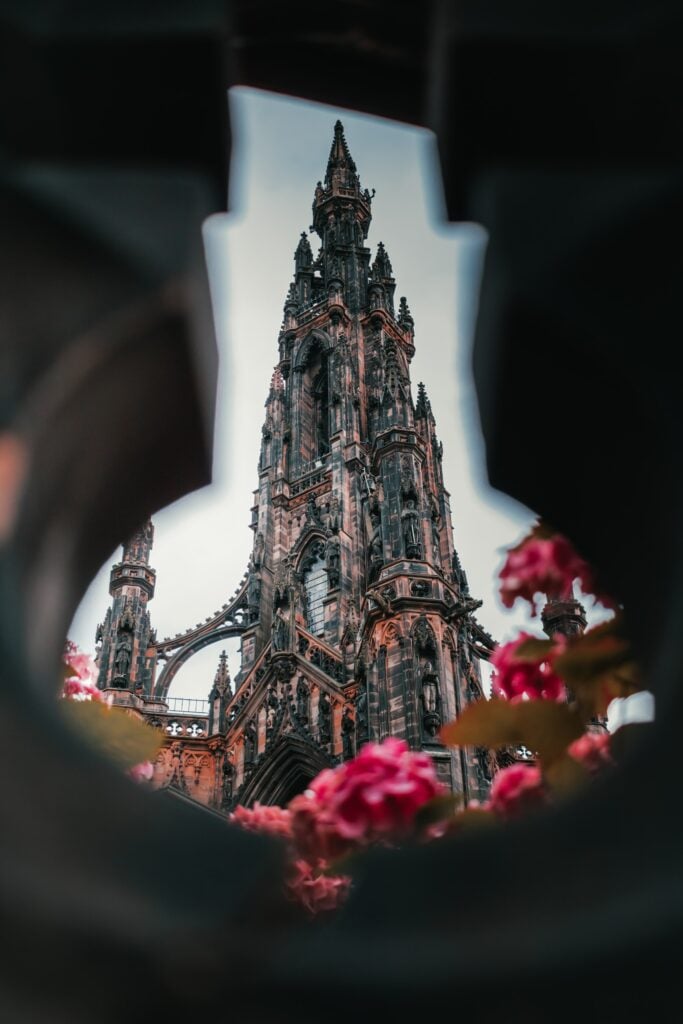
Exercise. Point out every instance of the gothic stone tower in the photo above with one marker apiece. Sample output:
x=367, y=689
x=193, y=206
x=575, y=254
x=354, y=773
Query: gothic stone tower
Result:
x=355, y=617
x=125, y=658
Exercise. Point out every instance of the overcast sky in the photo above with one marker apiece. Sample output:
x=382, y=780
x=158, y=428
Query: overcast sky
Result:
x=202, y=543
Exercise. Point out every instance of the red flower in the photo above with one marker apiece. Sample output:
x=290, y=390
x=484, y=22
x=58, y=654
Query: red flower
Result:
x=316, y=891
x=545, y=566
x=592, y=751
x=517, y=676
x=516, y=790
x=374, y=797
x=275, y=821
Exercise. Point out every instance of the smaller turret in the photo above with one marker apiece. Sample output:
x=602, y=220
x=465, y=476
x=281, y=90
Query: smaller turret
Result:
x=423, y=408
x=381, y=278
x=405, y=318
x=220, y=696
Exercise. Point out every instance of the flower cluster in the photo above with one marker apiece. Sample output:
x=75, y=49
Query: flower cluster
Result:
x=274, y=821
x=519, y=676
x=516, y=790
x=80, y=672
x=592, y=750
x=541, y=565
x=373, y=798
x=307, y=881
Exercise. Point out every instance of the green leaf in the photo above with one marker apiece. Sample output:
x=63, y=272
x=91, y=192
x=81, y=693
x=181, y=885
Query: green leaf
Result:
x=543, y=726
x=598, y=666
x=474, y=817
x=565, y=775
x=121, y=736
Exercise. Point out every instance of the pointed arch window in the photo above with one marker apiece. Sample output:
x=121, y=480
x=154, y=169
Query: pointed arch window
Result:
x=322, y=410
x=315, y=585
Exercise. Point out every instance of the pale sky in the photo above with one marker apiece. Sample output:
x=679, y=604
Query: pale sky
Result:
x=280, y=149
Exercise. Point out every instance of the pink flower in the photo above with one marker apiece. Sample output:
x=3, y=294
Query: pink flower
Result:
x=516, y=790
x=517, y=677
x=142, y=772
x=592, y=751
x=316, y=891
x=539, y=565
x=79, y=689
x=80, y=674
x=275, y=821
x=373, y=797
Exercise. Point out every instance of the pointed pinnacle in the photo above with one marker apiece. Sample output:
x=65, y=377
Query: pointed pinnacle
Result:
x=292, y=298
x=423, y=407
x=339, y=153
x=382, y=265
x=404, y=314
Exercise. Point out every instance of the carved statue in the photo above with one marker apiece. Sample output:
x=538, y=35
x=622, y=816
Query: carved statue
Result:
x=280, y=631
x=411, y=536
x=259, y=549
x=436, y=544
x=362, y=714
x=376, y=546
x=324, y=718
x=430, y=688
x=483, y=766
x=333, y=519
x=333, y=560
x=123, y=654
x=270, y=720
x=302, y=700
x=369, y=484
x=227, y=786
x=253, y=595
x=249, y=743
x=312, y=514
x=348, y=730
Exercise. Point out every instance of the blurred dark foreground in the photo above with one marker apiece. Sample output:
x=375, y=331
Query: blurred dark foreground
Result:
x=559, y=129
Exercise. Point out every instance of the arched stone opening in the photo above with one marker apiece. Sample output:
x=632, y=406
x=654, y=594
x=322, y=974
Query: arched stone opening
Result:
x=290, y=765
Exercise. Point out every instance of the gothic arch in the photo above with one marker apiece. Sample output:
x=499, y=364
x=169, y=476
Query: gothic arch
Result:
x=312, y=563
x=302, y=551
x=316, y=338
x=289, y=765
x=392, y=633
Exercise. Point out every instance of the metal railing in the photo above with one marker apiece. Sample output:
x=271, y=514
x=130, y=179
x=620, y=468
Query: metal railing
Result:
x=187, y=706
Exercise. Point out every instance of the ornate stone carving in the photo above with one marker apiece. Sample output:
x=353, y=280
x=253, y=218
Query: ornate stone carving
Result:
x=123, y=654
x=227, y=785
x=280, y=631
x=348, y=729
x=429, y=695
x=361, y=714
x=302, y=700
x=333, y=560
x=324, y=718
x=250, y=740
x=253, y=595
x=410, y=520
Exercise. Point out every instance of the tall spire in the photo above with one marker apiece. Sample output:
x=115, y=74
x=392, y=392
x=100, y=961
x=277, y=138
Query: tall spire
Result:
x=340, y=160
x=341, y=190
